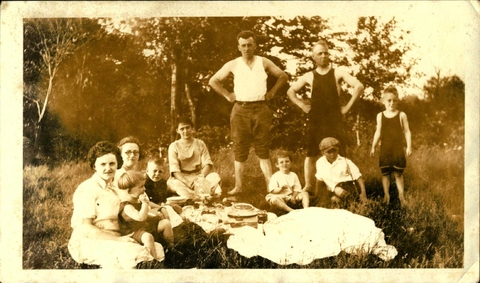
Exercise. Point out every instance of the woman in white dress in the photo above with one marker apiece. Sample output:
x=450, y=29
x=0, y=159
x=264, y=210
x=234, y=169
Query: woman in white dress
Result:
x=95, y=238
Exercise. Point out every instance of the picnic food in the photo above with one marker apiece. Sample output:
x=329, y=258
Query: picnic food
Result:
x=243, y=206
x=242, y=210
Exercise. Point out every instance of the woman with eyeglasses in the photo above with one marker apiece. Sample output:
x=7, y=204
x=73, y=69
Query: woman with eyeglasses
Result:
x=130, y=151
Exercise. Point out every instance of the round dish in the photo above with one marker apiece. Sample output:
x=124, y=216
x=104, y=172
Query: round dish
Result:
x=243, y=206
x=176, y=200
x=242, y=210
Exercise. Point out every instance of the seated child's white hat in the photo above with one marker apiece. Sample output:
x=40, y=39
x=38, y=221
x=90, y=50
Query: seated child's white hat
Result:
x=329, y=143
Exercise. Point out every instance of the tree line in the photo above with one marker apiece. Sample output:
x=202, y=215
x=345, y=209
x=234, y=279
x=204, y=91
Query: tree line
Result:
x=90, y=79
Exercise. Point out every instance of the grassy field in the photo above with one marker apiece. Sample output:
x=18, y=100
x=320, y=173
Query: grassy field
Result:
x=434, y=191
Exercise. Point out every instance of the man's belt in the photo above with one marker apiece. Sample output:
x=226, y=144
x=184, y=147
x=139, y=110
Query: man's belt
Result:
x=245, y=103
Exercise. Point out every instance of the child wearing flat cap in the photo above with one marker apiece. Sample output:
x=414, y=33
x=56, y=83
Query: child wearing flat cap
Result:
x=338, y=173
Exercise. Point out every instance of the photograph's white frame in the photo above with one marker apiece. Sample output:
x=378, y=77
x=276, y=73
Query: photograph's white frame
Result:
x=11, y=86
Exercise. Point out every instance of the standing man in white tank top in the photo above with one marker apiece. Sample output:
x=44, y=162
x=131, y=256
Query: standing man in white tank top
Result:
x=251, y=119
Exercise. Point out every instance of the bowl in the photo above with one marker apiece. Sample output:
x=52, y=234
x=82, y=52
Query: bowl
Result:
x=176, y=200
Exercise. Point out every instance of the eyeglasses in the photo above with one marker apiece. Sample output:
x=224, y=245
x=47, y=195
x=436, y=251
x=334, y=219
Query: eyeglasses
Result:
x=322, y=53
x=129, y=152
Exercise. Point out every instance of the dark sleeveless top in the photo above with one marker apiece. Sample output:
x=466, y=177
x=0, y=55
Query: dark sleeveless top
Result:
x=392, y=142
x=325, y=114
x=128, y=225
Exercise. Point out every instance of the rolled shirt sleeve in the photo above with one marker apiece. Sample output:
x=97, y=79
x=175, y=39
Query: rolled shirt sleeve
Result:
x=173, y=161
x=204, y=154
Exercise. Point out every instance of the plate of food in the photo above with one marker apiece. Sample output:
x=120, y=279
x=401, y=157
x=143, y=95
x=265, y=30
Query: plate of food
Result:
x=176, y=200
x=242, y=210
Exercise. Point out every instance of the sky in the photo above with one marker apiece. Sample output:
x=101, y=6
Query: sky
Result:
x=439, y=33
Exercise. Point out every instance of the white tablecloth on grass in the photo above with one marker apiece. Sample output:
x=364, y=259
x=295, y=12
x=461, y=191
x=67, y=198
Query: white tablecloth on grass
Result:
x=304, y=235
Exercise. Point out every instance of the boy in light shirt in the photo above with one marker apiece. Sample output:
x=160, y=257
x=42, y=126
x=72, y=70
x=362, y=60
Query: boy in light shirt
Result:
x=339, y=174
x=284, y=187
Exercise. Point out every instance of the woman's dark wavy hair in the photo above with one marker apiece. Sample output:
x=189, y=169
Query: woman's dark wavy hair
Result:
x=102, y=148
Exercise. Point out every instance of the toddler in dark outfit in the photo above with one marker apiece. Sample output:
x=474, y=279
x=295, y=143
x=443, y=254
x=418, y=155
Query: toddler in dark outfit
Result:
x=136, y=216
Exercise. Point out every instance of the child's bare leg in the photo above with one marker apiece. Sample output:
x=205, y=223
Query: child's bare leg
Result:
x=305, y=197
x=280, y=203
x=400, y=187
x=149, y=243
x=386, y=188
x=338, y=191
x=166, y=227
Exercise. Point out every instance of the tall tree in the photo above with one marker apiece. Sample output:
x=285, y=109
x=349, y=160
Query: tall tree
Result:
x=380, y=54
x=187, y=50
x=446, y=94
x=48, y=42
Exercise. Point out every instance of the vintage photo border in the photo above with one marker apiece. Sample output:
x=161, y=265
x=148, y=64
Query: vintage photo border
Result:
x=11, y=206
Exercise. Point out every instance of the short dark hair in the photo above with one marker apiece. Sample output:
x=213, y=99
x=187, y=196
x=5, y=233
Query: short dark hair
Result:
x=391, y=89
x=283, y=154
x=129, y=139
x=321, y=42
x=246, y=34
x=184, y=120
x=156, y=160
x=100, y=149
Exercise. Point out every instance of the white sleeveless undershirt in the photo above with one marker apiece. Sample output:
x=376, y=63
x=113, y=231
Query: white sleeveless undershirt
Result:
x=249, y=84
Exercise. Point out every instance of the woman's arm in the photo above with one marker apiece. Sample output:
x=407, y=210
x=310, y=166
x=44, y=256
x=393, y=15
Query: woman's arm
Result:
x=205, y=159
x=207, y=169
x=91, y=231
x=179, y=176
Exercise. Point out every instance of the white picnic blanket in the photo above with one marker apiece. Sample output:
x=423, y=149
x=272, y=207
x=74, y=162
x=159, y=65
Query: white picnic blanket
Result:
x=304, y=235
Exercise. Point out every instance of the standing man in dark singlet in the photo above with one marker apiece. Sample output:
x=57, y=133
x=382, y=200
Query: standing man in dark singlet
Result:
x=324, y=110
x=251, y=119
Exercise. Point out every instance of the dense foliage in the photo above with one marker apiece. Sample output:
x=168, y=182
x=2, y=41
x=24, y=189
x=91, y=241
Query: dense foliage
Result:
x=106, y=79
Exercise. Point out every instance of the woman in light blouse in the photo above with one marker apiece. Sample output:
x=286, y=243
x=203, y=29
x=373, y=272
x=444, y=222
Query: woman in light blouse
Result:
x=190, y=165
x=96, y=237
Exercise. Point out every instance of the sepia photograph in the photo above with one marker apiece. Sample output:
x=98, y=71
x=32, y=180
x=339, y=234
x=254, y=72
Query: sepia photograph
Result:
x=240, y=141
